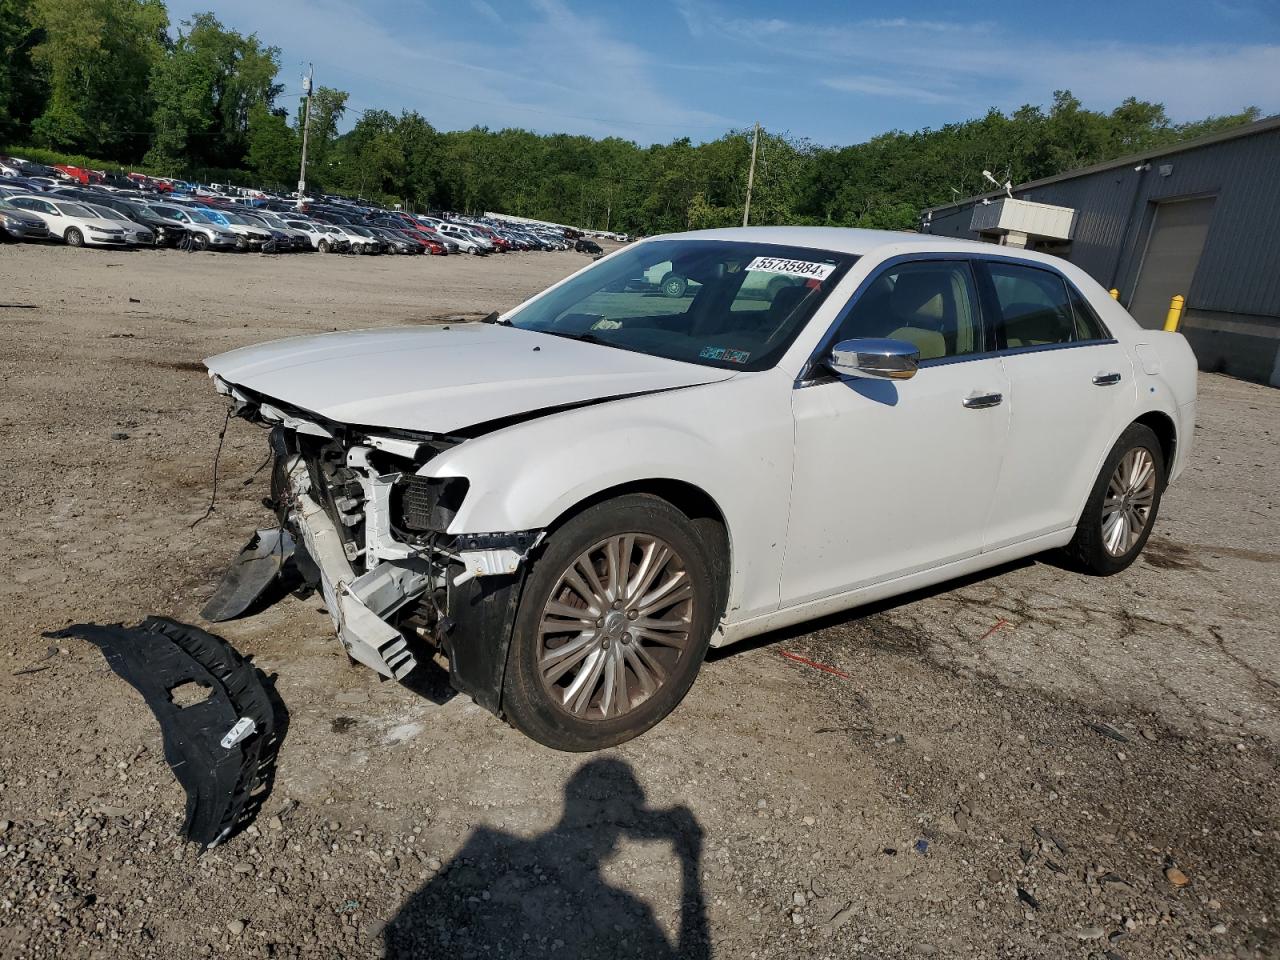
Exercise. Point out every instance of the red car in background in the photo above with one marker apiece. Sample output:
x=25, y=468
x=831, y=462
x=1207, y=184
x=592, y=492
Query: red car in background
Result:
x=78, y=174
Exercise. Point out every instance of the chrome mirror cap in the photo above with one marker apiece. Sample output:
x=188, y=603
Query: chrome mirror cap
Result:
x=875, y=359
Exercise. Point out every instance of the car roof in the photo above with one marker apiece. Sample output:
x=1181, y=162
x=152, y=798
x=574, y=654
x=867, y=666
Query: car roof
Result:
x=856, y=240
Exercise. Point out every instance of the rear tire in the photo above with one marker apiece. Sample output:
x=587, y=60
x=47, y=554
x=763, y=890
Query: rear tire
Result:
x=674, y=285
x=73, y=237
x=645, y=656
x=1122, y=506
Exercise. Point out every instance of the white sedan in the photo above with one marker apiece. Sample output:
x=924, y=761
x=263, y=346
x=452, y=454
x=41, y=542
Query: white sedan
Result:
x=75, y=223
x=573, y=500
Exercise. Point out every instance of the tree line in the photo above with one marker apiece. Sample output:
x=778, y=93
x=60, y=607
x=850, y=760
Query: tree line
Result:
x=115, y=79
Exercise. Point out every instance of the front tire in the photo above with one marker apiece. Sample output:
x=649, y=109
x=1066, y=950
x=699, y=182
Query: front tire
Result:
x=1123, y=504
x=73, y=237
x=199, y=241
x=613, y=625
x=324, y=246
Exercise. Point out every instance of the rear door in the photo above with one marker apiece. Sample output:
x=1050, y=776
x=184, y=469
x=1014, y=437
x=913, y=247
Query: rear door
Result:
x=1072, y=389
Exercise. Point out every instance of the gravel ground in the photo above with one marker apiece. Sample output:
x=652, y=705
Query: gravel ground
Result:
x=1027, y=763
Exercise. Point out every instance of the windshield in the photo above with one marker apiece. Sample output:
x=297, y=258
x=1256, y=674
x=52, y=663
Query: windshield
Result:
x=736, y=305
x=108, y=214
x=76, y=210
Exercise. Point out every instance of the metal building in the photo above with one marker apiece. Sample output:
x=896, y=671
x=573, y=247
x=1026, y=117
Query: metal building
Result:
x=1200, y=219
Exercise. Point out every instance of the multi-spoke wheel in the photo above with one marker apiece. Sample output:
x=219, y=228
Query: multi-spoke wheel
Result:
x=613, y=625
x=1127, y=505
x=1122, y=507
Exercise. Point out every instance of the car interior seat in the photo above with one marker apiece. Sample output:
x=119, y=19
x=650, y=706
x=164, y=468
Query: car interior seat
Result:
x=923, y=307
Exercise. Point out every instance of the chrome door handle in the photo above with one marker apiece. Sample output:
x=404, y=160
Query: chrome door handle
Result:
x=981, y=401
x=1106, y=379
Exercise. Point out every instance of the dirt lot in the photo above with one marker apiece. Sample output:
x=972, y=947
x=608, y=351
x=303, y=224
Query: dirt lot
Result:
x=1028, y=763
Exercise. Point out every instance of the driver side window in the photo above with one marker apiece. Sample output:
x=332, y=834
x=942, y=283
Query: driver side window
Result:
x=932, y=304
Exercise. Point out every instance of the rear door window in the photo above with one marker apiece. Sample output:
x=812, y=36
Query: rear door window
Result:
x=1035, y=308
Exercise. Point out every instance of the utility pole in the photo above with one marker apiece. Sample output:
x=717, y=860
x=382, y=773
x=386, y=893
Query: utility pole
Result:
x=306, y=129
x=751, y=174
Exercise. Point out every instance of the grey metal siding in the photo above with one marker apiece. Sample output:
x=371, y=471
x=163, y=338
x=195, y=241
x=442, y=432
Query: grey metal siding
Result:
x=1239, y=271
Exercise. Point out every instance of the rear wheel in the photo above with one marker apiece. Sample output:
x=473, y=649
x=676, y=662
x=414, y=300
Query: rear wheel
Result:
x=1122, y=507
x=613, y=625
x=674, y=285
x=73, y=237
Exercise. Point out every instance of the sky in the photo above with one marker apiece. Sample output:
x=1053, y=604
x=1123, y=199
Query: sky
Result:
x=833, y=72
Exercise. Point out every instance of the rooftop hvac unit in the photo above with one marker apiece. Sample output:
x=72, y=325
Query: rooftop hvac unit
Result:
x=1017, y=221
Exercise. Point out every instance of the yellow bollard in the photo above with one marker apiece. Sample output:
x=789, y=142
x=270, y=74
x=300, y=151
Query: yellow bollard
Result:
x=1115, y=294
x=1175, y=313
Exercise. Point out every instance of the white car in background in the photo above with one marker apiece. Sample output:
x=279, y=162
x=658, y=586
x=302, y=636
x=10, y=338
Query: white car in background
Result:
x=136, y=233
x=75, y=223
x=462, y=234
x=314, y=232
x=572, y=501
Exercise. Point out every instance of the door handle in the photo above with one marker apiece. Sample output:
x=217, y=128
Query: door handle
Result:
x=1106, y=379
x=980, y=401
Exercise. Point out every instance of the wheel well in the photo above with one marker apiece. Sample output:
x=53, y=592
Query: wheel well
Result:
x=705, y=514
x=1162, y=426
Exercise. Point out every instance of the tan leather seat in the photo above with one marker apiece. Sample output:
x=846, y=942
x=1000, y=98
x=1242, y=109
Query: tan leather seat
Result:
x=922, y=303
x=930, y=343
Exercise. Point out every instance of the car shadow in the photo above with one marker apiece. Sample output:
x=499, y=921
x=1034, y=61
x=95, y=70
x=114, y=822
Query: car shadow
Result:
x=505, y=896
x=868, y=610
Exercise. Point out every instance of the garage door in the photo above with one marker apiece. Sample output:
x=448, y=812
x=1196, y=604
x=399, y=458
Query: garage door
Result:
x=1169, y=264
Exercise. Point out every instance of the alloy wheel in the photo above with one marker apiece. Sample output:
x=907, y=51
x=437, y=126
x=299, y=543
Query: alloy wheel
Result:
x=615, y=626
x=1126, y=508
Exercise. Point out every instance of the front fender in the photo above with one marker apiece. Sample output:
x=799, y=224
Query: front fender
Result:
x=731, y=440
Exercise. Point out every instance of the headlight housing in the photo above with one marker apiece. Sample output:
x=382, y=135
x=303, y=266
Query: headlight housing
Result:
x=426, y=504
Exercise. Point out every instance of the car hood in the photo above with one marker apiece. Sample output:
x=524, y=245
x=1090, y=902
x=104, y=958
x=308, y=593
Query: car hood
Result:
x=444, y=379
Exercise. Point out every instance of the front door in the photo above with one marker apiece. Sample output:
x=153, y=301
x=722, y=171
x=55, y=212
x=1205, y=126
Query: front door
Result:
x=894, y=477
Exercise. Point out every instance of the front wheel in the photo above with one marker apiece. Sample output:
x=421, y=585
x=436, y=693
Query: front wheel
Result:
x=199, y=241
x=324, y=246
x=73, y=237
x=1122, y=506
x=613, y=625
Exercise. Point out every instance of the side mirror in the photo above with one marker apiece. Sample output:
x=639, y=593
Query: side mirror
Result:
x=875, y=359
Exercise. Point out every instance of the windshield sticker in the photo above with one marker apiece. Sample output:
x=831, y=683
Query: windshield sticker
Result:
x=725, y=354
x=807, y=269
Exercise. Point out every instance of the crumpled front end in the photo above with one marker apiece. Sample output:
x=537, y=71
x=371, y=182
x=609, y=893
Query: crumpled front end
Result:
x=372, y=537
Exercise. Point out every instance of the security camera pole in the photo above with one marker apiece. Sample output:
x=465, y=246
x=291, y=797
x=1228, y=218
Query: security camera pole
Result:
x=751, y=174
x=306, y=128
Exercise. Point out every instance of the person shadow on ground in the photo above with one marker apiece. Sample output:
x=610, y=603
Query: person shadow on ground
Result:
x=504, y=896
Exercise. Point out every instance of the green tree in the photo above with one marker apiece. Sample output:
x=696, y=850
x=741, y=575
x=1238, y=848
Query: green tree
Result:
x=22, y=89
x=273, y=146
x=98, y=56
x=204, y=91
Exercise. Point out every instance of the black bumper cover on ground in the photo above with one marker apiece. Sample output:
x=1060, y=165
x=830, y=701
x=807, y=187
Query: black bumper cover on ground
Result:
x=225, y=786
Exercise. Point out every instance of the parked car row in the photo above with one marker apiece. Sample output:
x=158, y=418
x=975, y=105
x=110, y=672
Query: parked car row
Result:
x=87, y=208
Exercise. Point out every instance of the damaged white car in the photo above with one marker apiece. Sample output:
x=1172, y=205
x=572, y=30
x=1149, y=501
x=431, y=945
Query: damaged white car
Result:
x=573, y=500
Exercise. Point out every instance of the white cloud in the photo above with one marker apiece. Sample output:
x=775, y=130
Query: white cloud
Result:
x=981, y=64
x=549, y=69
x=884, y=87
